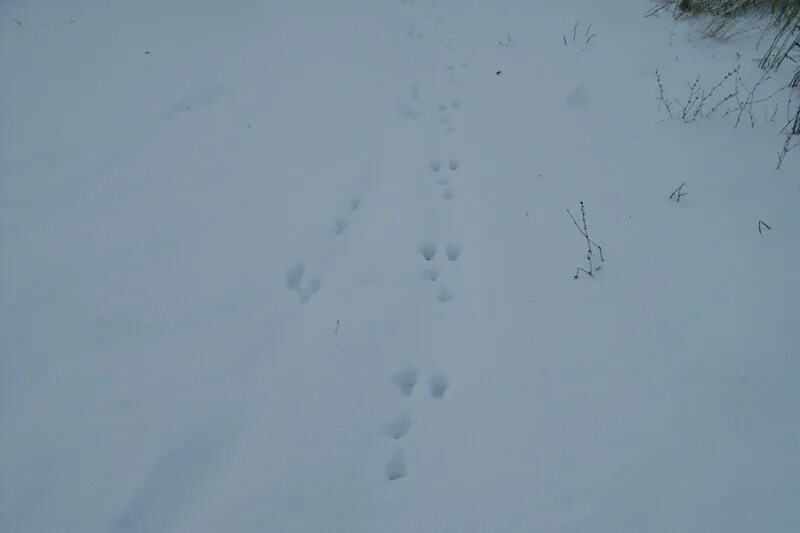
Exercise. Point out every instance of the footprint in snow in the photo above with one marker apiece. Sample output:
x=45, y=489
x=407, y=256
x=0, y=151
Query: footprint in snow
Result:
x=435, y=166
x=398, y=427
x=428, y=250
x=442, y=108
x=579, y=97
x=453, y=252
x=406, y=380
x=453, y=164
x=396, y=468
x=455, y=103
x=438, y=385
x=444, y=295
x=355, y=203
x=294, y=281
x=406, y=111
x=307, y=292
x=294, y=275
x=448, y=194
x=340, y=224
x=443, y=180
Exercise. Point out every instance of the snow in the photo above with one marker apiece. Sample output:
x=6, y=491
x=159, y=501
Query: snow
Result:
x=307, y=266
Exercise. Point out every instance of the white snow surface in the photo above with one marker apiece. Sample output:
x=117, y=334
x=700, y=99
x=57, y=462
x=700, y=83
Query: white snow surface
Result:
x=306, y=266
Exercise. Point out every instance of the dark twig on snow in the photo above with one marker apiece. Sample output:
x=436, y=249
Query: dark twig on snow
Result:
x=661, y=99
x=792, y=130
x=762, y=224
x=654, y=11
x=584, y=230
x=678, y=193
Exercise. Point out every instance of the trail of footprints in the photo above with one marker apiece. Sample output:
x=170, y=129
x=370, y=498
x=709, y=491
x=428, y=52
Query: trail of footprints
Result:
x=406, y=380
x=428, y=250
x=295, y=274
x=435, y=254
x=444, y=179
x=412, y=110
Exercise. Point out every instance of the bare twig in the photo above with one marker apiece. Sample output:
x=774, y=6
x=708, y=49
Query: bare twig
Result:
x=678, y=193
x=661, y=99
x=762, y=224
x=584, y=230
x=654, y=11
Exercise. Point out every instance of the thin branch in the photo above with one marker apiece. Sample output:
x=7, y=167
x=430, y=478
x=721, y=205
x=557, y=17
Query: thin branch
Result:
x=678, y=193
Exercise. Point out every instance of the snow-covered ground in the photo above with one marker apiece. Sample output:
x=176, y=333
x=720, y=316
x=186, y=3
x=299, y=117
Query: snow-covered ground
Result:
x=306, y=266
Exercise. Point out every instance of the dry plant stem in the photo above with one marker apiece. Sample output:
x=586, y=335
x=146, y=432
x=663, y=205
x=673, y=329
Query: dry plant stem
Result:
x=678, y=193
x=584, y=230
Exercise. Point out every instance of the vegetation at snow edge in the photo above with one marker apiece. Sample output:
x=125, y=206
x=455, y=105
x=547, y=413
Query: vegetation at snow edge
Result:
x=727, y=18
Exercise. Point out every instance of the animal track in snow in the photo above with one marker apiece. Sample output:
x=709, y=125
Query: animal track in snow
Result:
x=294, y=275
x=455, y=103
x=398, y=427
x=406, y=380
x=294, y=281
x=579, y=97
x=453, y=164
x=435, y=165
x=307, y=292
x=340, y=224
x=355, y=203
x=438, y=385
x=396, y=468
x=414, y=94
x=406, y=111
x=442, y=108
x=315, y=284
x=430, y=275
x=448, y=194
x=453, y=252
x=428, y=250
x=444, y=295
